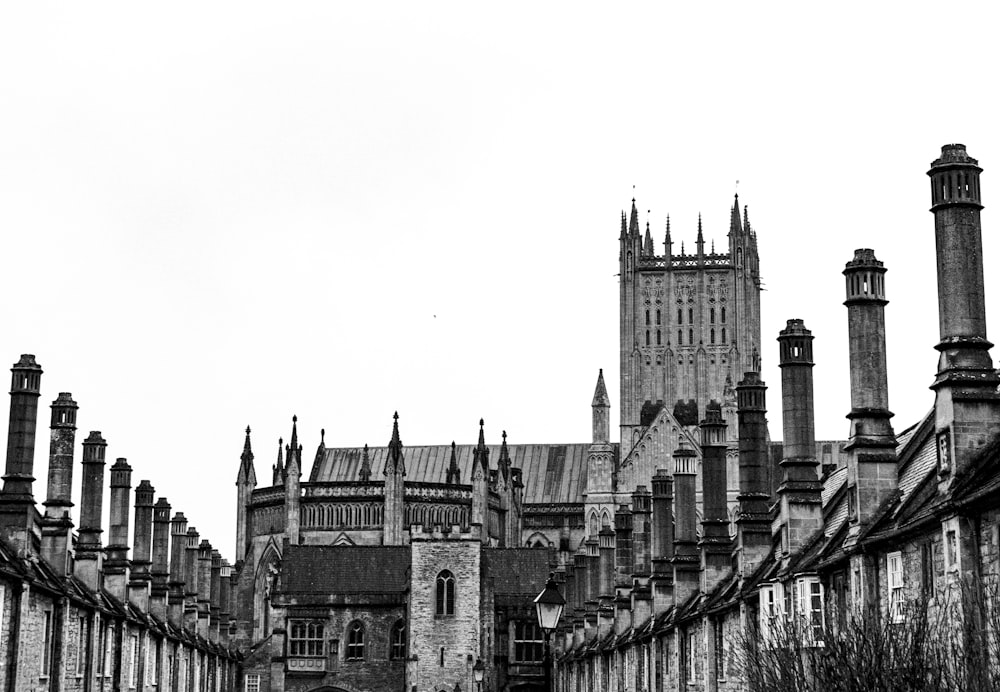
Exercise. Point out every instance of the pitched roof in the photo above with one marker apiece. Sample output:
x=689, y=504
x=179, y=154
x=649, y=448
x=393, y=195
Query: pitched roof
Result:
x=345, y=569
x=552, y=473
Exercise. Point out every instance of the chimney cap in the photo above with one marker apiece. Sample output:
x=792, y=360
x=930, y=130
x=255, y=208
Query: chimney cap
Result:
x=952, y=154
x=27, y=362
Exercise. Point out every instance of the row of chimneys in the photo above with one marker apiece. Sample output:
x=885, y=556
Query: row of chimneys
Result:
x=171, y=575
x=653, y=553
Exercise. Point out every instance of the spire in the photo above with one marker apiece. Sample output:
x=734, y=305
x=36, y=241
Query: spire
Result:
x=746, y=219
x=734, y=218
x=454, y=474
x=365, y=474
x=321, y=449
x=294, y=444
x=668, y=244
x=601, y=392
x=624, y=232
x=503, y=463
x=279, y=467
x=246, y=460
x=633, y=222
x=394, y=459
x=701, y=237
x=481, y=455
x=647, y=249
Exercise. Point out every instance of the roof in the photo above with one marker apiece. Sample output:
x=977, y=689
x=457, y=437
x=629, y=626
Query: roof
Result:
x=552, y=473
x=345, y=569
x=517, y=571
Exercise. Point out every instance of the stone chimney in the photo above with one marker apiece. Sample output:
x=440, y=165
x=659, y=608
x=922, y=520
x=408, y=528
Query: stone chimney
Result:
x=88, y=559
x=191, y=581
x=161, y=559
x=607, y=571
x=204, y=602
x=142, y=559
x=641, y=532
x=686, y=561
x=57, y=527
x=225, y=611
x=754, y=523
x=215, y=595
x=663, y=540
x=116, y=567
x=178, y=569
x=17, y=504
x=622, y=542
x=800, y=494
x=715, y=547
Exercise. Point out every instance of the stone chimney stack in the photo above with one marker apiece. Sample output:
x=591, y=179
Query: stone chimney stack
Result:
x=641, y=532
x=871, y=448
x=623, y=548
x=116, y=567
x=17, y=504
x=204, y=599
x=215, y=595
x=57, y=527
x=178, y=569
x=225, y=611
x=191, y=581
x=754, y=522
x=87, y=564
x=607, y=547
x=800, y=493
x=161, y=558
x=663, y=540
x=966, y=399
x=686, y=560
x=716, y=548
x=142, y=577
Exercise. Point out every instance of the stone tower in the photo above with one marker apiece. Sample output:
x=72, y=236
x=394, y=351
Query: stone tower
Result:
x=687, y=322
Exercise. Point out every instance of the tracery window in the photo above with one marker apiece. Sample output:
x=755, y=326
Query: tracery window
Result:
x=445, y=594
x=397, y=641
x=305, y=638
x=355, y=642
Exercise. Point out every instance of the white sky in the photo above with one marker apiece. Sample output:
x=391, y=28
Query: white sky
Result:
x=217, y=215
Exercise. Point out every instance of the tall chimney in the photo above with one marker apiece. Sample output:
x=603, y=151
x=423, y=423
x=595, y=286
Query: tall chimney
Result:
x=57, y=527
x=225, y=612
x=191, y=581
x=178, y=569
x=89, y=549
x=685, y=560
x=215, y=604
x=16, y=501
x=663, y=540
x=641, y=530
x=116, y=567
x=606, y=542
x=966, y=403
x=142, y=577
x=204, y=587
x=800, y=494
x=716, y=548
x=754, y=523
x=622, y=542
x=161, y=558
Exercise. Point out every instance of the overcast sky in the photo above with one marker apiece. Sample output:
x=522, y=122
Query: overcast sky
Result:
x=218, y=215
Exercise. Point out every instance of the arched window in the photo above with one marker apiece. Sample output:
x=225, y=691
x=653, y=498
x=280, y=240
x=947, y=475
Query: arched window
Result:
x=723, y=335
x=657, y=337
x=723, y=314
x=657, y=316
x=680, y=337
x=712, y=335
x=691, y=336
x=690, y=315
x=647, y=337
x=711, y=315
x=680, y=316
x=355, y=642
x=397, y=641
x=445, y=602
x=647, y=317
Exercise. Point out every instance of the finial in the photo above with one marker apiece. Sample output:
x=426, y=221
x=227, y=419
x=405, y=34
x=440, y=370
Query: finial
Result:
x=480, y=422
x=713, y=246
x=248, y=431
x=395, y=415
x=504, y=436
x=295, y=419
x=322, y=436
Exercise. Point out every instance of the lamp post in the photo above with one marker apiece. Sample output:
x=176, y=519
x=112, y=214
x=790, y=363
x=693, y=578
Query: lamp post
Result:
x=478, y=672
x=549, y=606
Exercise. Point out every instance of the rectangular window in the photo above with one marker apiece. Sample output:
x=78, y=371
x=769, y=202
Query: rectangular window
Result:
x=689, y=654
x=771, y=609
x=251, y=682
x=108, y=646
x=81, y=644
x=811, y=609
x=305, y=638
x=46, y=643
x=720, y=650
x=133, y=660
x=529, y=646
x=894, y=570
x=927, y=586
x=951, y=548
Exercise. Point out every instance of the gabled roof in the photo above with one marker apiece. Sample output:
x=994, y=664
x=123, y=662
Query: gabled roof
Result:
x=552, y=473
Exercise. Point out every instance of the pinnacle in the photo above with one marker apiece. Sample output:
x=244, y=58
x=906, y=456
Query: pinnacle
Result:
x=601, y=391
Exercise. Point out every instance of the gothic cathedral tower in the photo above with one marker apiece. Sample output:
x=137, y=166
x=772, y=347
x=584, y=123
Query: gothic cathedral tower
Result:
x=689, y=323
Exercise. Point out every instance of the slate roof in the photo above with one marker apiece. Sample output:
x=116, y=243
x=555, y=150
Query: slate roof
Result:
x=517, y=571
x=345, y=569
x=552, y=473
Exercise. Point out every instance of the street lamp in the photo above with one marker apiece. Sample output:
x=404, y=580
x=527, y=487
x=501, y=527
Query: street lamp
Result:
x=549, y=606
x=478, y=672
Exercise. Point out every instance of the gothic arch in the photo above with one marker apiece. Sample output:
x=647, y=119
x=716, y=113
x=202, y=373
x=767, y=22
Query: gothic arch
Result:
x=265, y=579
x=538, y=540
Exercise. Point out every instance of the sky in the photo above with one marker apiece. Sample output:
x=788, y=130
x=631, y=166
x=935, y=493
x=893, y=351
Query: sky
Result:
x=220, y=215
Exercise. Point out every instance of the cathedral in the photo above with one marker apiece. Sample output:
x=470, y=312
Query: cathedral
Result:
x=414, y=568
